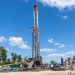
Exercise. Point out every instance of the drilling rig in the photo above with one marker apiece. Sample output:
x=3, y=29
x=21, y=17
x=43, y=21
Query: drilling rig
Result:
x=35, y=37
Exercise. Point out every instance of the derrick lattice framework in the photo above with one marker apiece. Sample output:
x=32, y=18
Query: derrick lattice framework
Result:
x=35, y=35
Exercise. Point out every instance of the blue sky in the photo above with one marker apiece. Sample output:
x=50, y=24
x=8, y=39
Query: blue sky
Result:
x=56, y=27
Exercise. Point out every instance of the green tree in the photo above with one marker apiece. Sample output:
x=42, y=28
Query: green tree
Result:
x=14, y=57
x=53, y=62
x=69, y=59
x=8, y=61
x=3, y=53
x=19, y=58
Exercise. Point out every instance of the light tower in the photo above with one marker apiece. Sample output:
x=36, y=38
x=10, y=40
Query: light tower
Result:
x=35, y=35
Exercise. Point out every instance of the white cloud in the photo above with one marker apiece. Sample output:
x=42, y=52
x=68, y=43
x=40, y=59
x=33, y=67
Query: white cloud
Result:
x=60, y=4
x=56, y=55
x=56, y=44
x=48, y=50
x=18, y=41
x=71, y=52
x=51, y=41
x=2, y=39
x=61, y=54
x=64, y=17
x=61, y=46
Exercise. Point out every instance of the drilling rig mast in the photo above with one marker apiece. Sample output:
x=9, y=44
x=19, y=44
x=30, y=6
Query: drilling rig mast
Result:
x=35, y=35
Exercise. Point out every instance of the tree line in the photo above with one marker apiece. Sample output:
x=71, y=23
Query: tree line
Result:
x=4, y=58
x=18, y=58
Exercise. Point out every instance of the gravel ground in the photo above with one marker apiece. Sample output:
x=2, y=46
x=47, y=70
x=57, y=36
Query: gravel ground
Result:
x=40, y=73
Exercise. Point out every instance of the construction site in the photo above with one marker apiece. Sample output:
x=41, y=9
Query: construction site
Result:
x=35, y=65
